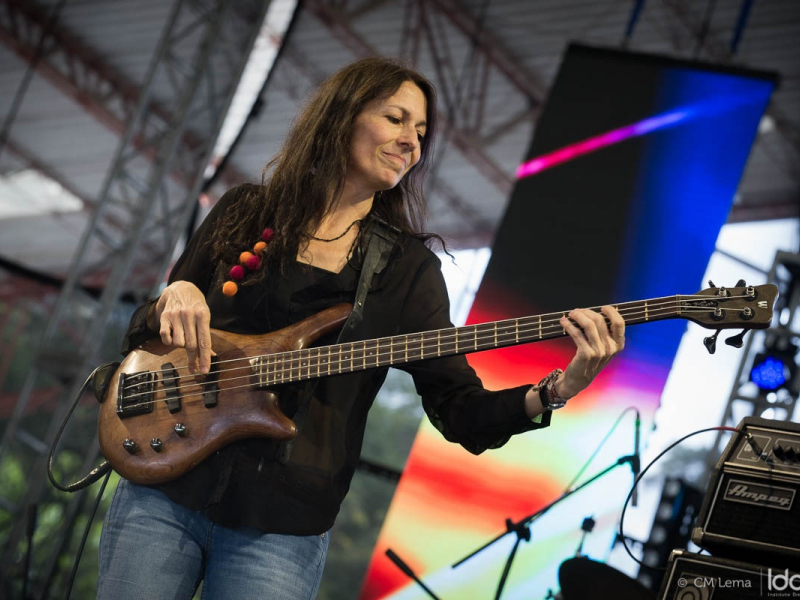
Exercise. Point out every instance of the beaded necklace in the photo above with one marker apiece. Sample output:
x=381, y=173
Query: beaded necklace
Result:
x=247, y=261
x=251, y=261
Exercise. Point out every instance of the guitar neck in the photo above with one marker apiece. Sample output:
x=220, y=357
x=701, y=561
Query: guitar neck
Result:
x=299, y=365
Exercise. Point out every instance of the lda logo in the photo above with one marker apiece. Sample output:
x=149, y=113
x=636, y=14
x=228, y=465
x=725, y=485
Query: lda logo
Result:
x=768, y=496
x=780, y=582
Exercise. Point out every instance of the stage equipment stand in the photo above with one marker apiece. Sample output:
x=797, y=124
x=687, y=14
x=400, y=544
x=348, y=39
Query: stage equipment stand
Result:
x=522, y=530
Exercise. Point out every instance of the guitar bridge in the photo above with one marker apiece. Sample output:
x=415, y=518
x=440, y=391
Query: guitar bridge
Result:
x=135, y=394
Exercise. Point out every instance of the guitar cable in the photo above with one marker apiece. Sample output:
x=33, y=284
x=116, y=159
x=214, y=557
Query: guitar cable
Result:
x=85, y=535
x=99, y=379
x=620, y=533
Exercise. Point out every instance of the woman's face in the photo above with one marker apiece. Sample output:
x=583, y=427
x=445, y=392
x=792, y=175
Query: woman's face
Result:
x=387, y=138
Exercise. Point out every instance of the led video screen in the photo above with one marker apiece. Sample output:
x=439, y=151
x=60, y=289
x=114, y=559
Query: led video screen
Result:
x=631, y=173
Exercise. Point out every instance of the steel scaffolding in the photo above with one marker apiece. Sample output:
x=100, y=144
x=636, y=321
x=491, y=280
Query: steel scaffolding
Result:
x=150, y=190
x=746, y=399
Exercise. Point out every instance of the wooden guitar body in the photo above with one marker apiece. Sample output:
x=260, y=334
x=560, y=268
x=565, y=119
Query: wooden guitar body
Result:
x=157, y=421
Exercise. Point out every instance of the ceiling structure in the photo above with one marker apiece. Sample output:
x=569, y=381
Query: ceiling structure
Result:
x=492, y=61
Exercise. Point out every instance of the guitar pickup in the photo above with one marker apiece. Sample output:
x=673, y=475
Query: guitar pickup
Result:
x=169, y=379
x=135, y=393
x=210, y=385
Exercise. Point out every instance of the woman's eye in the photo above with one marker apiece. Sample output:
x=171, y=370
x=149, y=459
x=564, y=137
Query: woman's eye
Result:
x=394, y=120
x=420, y=137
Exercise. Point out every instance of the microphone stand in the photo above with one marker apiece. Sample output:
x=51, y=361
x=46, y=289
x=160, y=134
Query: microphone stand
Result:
x=400, y=564
x=522, y=527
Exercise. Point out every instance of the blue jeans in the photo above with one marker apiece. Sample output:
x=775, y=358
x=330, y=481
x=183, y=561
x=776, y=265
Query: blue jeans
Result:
x=156, y=549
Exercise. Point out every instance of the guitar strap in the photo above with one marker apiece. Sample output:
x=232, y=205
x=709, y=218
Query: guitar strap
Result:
x=381, y=238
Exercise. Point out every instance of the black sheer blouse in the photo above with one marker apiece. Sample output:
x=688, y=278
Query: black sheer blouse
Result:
x=245, y=484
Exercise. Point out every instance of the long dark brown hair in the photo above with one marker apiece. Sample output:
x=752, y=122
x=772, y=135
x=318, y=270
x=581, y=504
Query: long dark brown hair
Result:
x=303, y=181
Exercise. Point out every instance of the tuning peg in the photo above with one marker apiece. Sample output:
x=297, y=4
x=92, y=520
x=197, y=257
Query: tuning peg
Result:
x=711, y=283
x=711, y=342
x=741, y=283
x=737, y=341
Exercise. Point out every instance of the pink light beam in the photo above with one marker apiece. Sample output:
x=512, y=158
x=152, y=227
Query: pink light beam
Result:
x=567, y=153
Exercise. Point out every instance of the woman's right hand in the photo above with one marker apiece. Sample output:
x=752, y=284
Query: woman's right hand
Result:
x=182, y=319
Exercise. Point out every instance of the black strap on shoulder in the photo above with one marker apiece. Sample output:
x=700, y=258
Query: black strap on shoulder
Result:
x=381, y=239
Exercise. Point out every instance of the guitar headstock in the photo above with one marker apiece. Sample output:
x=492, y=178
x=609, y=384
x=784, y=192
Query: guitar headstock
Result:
x=740, y=307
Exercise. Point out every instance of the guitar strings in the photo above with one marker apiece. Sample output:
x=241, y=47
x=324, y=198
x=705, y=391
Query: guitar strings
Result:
x=503, y=330
x=485, y=339
x=292, y=374
x=630, y=309
x=547, y=324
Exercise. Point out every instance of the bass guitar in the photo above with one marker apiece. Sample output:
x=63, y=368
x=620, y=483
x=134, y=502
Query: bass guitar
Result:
x=157, y=421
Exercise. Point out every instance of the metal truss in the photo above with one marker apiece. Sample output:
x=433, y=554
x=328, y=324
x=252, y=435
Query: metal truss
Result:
x=146, y=200
x=82, y=74
x=745, y=398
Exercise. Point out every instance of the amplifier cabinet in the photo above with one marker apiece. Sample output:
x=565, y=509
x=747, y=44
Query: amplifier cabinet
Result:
x=697, y=577
x=751, y=510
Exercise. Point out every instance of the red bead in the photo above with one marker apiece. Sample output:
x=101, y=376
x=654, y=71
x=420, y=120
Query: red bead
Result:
x=253, y=263
x=268, y=234
x=237, y=272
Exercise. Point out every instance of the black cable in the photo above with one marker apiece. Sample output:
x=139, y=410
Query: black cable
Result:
x=98, y=471
x=258, y=105
x=255, y=111
x=521, y=527
x=599, y=447
x=636, y=11
x=741, y=23
x=26, y=79
x=99, y=377
x=30, y=528
x=85, y=536
x=642, y=474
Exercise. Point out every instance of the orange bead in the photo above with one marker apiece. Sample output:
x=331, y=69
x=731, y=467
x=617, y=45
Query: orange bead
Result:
x=229, y=288
x=244, y=257
x=259, y=247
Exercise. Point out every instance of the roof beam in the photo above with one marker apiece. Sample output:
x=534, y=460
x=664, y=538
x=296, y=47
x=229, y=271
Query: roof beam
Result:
x=86, y=77
x=51, y=172
x=364, y=9
x=48, y=170
x=764, y=210
x=526, y=82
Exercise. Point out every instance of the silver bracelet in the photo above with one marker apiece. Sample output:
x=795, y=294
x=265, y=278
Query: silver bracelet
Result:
x=547, y=391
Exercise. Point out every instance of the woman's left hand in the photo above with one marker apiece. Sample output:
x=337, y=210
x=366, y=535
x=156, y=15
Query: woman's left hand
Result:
x=596, y=341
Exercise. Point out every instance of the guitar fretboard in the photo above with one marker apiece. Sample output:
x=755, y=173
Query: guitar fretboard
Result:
x=299, y=365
